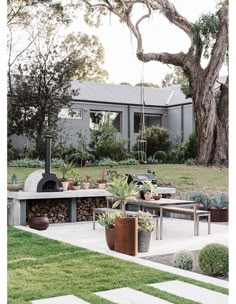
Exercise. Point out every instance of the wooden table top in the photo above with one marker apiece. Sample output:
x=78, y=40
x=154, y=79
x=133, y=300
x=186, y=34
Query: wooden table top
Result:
x=160, y=202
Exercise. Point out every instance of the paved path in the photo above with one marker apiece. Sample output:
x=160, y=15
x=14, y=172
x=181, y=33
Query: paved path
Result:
x=70, y=299
x=192, y=292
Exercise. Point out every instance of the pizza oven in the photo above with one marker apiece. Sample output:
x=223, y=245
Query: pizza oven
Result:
x=44, y=181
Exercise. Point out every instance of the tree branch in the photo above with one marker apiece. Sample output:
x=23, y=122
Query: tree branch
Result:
x=220, y=46
x=175, y=59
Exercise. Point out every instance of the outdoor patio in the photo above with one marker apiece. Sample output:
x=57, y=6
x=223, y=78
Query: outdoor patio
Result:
x=177, y=235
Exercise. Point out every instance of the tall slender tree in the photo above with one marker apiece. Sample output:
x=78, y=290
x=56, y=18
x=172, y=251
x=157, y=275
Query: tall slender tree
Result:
x=208, y=37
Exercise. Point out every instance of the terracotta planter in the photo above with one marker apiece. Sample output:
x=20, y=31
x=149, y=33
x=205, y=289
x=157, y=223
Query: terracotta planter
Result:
x=102, y=185
x=147, y=196
x=110, y=237
x=219, y=215
x=39, y=222
x=144, y=239
x=75, y=187
x=126, y=236
x=156, y=197
x=69, y=179
x=85, y=185
x=65, y=185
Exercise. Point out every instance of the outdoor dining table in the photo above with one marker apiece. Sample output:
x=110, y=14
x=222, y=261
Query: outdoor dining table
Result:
x=160, y=204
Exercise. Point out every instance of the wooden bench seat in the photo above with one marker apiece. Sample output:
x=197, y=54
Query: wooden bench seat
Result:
x=195, y=213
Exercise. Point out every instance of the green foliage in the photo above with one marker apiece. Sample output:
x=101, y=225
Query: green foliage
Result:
x=147, y=187
x=204, y=32
x=183, y=260
x=107, y=219
x=128, y=162
x=122, y=192
x=147, y=84
x=220, y=201
x=157, y=139
x=145, y=221
x=106, y=142
x=213, y=259
x=114, y=174
x=107, y=162
x=65, y=169
x=184, y=151
x=201, y=198
x=35, y=163
x=152, y=160
x=139, y=154
x=177, y=77
x=160, y=156
x=14, y=179
x=75, y=176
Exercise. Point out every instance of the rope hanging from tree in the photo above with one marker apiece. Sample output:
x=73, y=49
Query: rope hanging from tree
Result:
x=142, y=143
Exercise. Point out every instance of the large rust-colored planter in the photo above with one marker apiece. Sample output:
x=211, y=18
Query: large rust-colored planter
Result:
x=110, y=237
x=219, y=215
x=39, y=222
x=126, y=236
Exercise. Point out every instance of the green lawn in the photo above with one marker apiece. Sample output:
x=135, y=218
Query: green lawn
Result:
x=184, y=178
x=39, y=268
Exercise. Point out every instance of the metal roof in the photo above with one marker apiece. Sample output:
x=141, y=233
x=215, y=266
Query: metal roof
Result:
x=126, y=94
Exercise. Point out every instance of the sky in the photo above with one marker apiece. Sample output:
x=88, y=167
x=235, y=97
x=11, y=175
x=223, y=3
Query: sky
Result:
x=159, y=35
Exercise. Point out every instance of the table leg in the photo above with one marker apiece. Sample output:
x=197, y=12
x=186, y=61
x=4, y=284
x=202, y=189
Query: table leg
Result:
x=195, y=220
x=161, y=223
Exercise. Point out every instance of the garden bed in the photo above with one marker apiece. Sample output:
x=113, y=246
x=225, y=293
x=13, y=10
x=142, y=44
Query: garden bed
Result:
x=166, y=259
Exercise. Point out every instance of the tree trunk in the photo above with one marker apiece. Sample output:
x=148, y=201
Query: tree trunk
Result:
x=211, y=125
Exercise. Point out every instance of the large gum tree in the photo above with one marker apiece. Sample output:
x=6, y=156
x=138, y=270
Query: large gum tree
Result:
x=211, y=111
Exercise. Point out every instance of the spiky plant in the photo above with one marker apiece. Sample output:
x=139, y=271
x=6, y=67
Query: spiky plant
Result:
x=122, y=192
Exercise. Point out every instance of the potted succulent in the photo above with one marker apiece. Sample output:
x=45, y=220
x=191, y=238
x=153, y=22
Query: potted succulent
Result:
x=218, y=207
x=146, y=190
x=102, y=182
x=75, y=179
x=200, y=198
x=107, y=220
x=65, y=169
x=126, y=229
x=86, y=183
x=145, y=228
x=15, y=185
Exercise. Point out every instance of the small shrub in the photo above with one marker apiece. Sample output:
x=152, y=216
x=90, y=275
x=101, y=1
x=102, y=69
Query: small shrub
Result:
x=160, y=156
x=28, y=163
x=183, y=260
x=152, y=160
x=107, y=162
x=189, y=162
x=128, y=162
x=200, y=197
x=139, y=155
x=145, y=221
x=213, y=260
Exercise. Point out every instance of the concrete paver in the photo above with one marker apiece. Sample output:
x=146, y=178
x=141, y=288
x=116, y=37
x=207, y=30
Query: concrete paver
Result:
x=192, y=292
x=130, y=296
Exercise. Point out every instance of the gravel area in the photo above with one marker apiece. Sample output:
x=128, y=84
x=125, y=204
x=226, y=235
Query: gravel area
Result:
x=167, y=260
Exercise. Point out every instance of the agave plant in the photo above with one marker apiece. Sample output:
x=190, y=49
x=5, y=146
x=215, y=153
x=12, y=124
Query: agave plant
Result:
x=122, y=192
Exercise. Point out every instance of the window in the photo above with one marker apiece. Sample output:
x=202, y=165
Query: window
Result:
x=70, y=113
x=149, y=119
x=97, y=117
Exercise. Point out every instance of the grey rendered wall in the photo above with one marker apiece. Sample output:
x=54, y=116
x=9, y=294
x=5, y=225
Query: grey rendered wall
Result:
x=188, y=121
x=175, y=125
x=70, y=128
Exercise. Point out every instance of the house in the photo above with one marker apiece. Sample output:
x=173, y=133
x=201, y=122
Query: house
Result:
x=163, y=107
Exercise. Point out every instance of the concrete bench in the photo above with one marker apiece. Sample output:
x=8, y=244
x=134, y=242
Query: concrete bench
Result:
x=103, y=210
x=195, y=213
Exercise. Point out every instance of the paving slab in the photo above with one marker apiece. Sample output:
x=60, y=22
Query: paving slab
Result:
x=129, y=296
x=70, y=299
x=192, y=292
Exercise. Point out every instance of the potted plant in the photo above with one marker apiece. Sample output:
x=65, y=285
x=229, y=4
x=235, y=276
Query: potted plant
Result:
x=145, y=228
x=14, y=185
x=102, y=182
x=202, y=200
x=218, y=207
x=65, y=169
x=146, y=190
x=86, y=183
x=75, y=179
x=126, y=229
x=107, y=220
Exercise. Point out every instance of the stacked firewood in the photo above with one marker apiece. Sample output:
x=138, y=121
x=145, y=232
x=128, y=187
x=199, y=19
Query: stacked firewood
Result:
x=84, y=208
